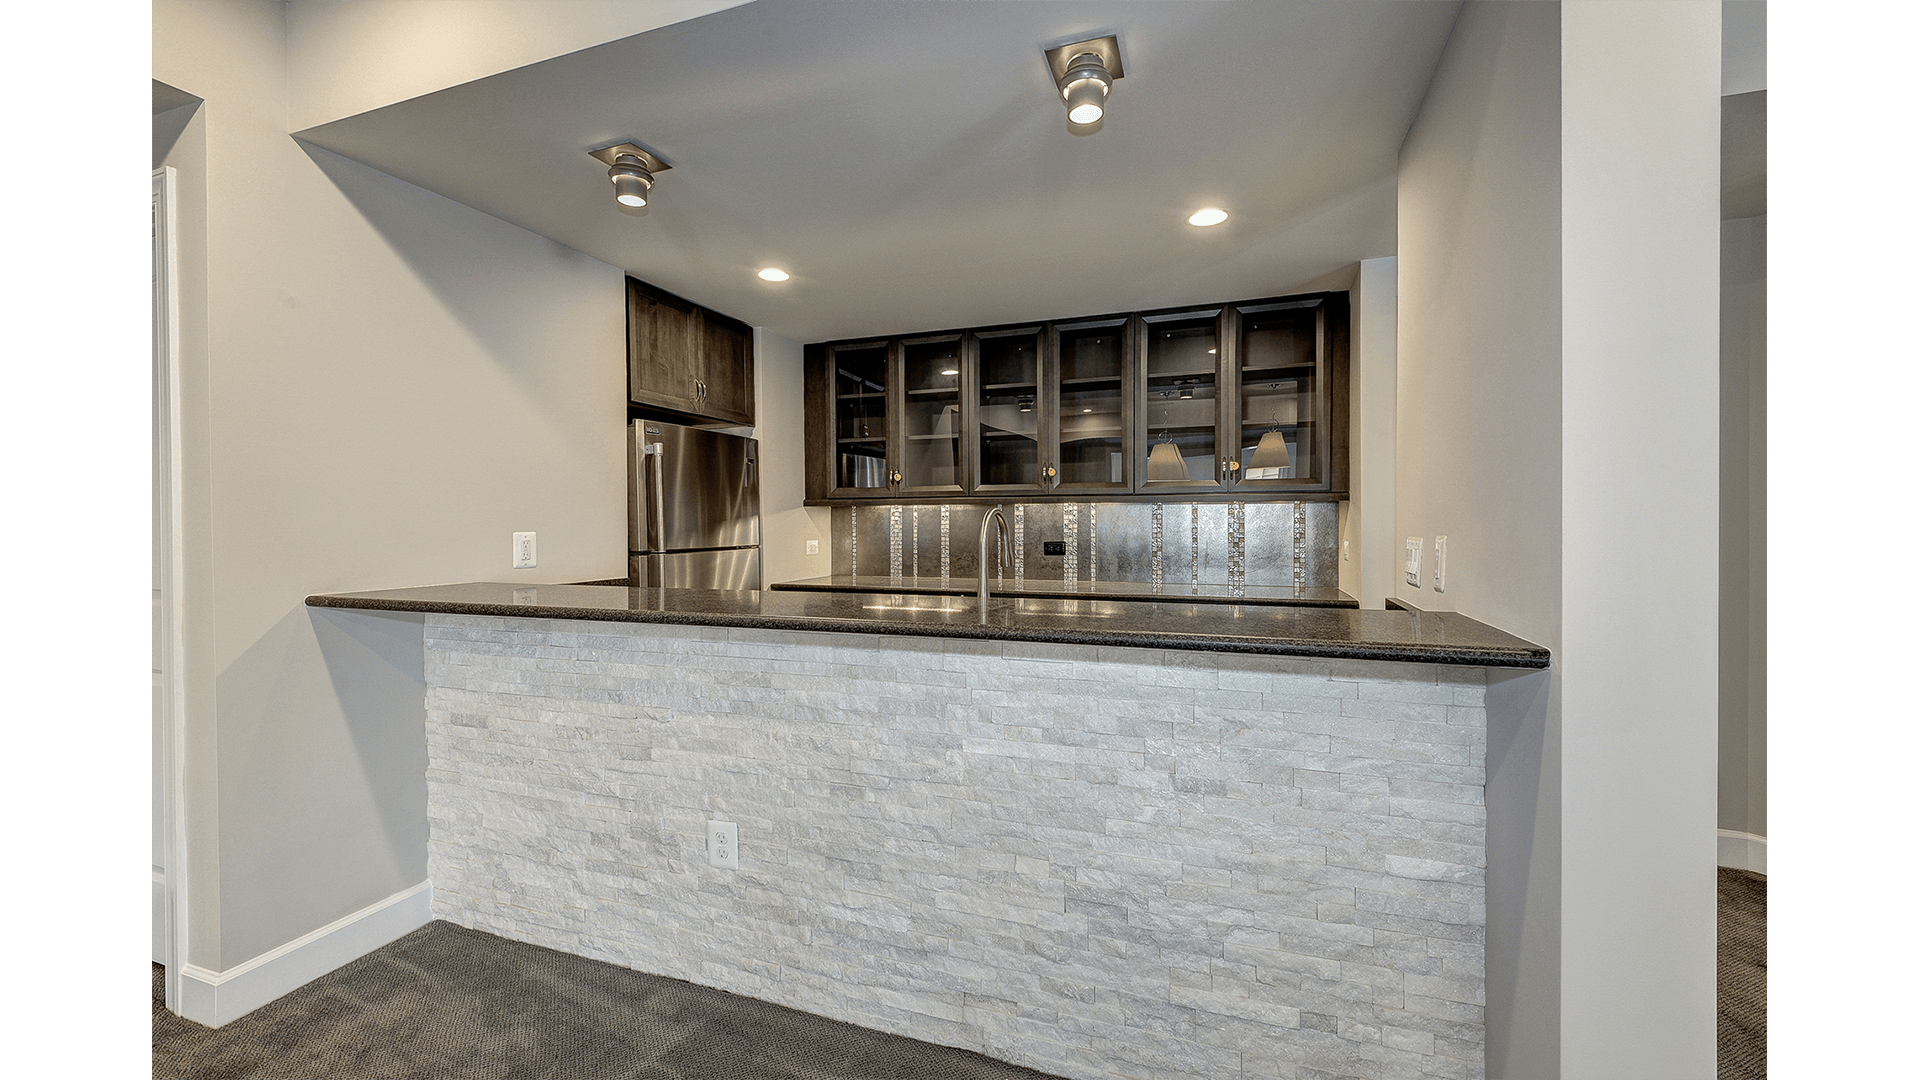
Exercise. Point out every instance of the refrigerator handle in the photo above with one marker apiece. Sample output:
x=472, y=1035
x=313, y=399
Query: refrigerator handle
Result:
x=657, y=453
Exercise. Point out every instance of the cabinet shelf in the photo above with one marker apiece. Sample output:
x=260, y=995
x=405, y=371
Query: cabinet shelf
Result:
x=1010, y=386
x=861, y=397
x=941, y=391
x=1194, y=373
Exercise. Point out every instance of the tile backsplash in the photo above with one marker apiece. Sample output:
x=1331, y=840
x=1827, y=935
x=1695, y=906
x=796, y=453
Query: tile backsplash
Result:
x=1276, y=544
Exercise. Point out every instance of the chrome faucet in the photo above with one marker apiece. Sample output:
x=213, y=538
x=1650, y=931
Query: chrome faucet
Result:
x=992, y=515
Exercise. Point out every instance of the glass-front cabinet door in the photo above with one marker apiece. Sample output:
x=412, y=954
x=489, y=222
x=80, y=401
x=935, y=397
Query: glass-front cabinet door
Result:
x=931, y=455
x=860, y=381
x=1008, y=412
x=1279, y=353
x=1090, y=407
x=1180, y=403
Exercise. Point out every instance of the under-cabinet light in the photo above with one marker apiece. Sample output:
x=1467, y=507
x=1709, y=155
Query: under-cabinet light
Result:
x=1212, y=215
x=773, y=273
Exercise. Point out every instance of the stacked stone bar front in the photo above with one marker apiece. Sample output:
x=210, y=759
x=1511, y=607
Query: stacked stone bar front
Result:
x=1097, y=862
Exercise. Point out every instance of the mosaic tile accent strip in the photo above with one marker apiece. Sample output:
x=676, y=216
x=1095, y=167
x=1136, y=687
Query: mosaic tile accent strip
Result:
x=1299, y=546
x=893, y=542
x=1070, y=533
x=946, y=539
x=1093, y=541
x=1237, y=546
x=1195, y=517
x=1019, y=544
x=1159, y=544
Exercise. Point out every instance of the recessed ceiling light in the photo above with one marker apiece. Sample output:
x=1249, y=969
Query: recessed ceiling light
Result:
x=1212, y=215
x=773, y=273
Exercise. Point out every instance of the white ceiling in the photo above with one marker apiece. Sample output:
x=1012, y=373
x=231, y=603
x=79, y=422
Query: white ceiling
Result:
x=910, y=163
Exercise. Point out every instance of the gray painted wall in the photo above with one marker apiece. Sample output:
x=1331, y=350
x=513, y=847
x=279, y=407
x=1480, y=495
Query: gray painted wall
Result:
x=382, y=386
x=1478, y=454
x=1558, y=404
x=786, y=524
x=1743, y=525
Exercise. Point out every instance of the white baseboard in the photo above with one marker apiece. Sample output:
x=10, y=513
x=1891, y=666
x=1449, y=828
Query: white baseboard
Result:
x=160, y=918
x=1743, y=851
x=214, y=998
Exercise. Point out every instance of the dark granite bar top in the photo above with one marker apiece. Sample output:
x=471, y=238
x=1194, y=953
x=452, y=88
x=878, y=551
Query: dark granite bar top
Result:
x=1321, y=632
x=1053, y=589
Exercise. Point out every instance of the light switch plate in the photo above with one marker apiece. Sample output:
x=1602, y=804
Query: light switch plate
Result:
x=1414, y=544
x=523, y=551
x=1439, y=564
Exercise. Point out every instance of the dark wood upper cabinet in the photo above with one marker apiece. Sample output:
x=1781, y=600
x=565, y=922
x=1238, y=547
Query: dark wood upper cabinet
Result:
x=686, y=359
x=1077, y=408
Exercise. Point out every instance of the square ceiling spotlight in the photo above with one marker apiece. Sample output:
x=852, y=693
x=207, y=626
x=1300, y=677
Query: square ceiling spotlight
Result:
x=632, y=170
x=1084, y=72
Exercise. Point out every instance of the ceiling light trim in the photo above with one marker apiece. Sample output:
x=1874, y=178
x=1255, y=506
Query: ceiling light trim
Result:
x=1060, y=57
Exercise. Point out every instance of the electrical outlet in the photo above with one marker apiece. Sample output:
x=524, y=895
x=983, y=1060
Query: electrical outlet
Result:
x=1414, y=544
x=1346, y=551
x=813, y=547
x=1439, y=564
x=723, y=845
x=523, y=551
x=1057, y=548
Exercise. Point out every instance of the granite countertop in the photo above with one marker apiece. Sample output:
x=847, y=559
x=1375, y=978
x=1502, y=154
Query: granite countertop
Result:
x=1321, y=632
x=1049, y=588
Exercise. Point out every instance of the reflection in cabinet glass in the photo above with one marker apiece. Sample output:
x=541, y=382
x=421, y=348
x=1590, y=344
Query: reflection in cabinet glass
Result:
x=1092, y=417
x=930, y=418
x=860, y=416
x=1183, y=405
x=1279, y=386
x=1009, y=409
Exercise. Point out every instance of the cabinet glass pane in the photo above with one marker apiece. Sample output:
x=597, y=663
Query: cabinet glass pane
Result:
x=1183, y=405
x=1279, y=379
x=930, y=455
x=1091, y=393
x=1009, y=409
x=860, y=417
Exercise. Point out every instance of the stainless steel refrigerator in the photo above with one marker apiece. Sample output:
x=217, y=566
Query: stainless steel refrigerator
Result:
x=693, y=508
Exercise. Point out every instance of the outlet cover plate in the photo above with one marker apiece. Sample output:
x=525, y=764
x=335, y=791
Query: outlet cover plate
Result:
x=723, y=845
x=1439, y=564
x=525, y=557
x=1414, y=545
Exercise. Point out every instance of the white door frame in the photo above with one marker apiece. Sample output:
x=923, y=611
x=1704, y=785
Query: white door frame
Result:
x=172, y=628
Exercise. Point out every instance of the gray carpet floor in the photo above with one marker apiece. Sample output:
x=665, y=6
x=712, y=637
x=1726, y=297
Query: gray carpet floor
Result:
x=1743, y=975
x=448, y=1003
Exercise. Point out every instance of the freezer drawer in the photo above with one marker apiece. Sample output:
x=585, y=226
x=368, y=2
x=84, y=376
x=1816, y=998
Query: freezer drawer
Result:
x=735, y=568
